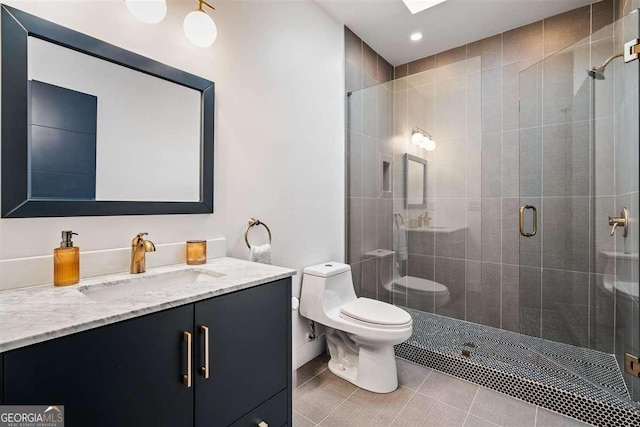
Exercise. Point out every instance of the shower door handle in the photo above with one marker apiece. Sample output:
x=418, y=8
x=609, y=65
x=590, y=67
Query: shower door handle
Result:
x=533, y=232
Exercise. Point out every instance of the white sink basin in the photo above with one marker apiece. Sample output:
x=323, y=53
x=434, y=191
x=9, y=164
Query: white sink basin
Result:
x=149, y=284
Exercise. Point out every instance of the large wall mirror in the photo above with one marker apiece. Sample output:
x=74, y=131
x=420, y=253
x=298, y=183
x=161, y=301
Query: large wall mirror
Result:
x=92, y=129
x=415, y=182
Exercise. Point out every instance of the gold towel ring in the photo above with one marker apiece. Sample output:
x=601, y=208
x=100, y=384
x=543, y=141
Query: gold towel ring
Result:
x=254, y=222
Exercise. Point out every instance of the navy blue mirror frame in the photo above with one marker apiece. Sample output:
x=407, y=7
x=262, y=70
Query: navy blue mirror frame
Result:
x=16, y=27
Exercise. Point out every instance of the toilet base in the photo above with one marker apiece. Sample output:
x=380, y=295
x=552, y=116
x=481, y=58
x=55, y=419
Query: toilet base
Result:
x=370, y=368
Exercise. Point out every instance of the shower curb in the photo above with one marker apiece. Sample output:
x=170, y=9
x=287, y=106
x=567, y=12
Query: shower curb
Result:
x=573, y=405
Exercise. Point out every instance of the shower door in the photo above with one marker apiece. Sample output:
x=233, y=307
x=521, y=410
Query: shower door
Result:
x=578, y=147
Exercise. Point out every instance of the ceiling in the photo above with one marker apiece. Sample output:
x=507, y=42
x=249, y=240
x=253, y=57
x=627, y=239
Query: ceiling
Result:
x=387, y=24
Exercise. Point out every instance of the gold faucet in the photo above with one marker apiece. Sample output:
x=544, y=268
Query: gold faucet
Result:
x=139, y=248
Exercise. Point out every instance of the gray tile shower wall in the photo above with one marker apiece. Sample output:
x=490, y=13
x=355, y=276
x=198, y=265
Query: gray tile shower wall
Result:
x=623, y=7
x=470, y=94
x=364, y=67
x=369, y=129
x=626, y=179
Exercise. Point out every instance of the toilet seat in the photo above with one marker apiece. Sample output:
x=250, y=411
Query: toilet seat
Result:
x=417, y=285
x=375, y=313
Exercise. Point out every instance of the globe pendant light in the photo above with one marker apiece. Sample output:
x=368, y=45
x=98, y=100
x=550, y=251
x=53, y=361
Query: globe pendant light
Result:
x=148, y=11
x=199, y=27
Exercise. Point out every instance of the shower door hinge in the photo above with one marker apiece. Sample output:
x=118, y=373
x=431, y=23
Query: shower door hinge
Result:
x=632, y=50
x=632, y=364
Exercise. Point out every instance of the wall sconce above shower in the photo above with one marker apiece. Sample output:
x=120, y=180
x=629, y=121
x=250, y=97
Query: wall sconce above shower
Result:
x=422, y=139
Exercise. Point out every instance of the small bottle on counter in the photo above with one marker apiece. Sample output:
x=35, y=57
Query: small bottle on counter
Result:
x=66, y=261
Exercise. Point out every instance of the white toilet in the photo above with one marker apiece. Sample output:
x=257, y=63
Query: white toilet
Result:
x=360, y=332
x=415, y=288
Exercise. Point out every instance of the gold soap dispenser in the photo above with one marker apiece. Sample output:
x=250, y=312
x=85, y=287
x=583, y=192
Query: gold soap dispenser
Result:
x=66, y=261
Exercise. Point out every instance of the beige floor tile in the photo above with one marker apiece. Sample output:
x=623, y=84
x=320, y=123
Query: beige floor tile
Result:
x=301, y=421
x=424, y=411
x=448, y=389
x=477, y=422
x=311, y=369
x=547, y=418
x=321, y=395
x=411, y=375
x=502, y=409
x=364, y=409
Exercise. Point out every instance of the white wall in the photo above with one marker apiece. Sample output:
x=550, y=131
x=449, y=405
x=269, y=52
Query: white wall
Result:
x=279, y=73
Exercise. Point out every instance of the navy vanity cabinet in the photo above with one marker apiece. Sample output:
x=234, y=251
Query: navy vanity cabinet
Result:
x=124, y=374
x=272, y=412
x=1, y=378
x=131, y=373
x=249, y=354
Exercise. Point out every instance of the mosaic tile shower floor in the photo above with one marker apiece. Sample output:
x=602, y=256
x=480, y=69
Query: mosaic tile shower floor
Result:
x=583, y=383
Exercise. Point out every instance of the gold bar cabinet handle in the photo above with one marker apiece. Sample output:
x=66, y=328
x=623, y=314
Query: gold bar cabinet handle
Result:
x=523, y=209
x=186, y=379
x=204, y=370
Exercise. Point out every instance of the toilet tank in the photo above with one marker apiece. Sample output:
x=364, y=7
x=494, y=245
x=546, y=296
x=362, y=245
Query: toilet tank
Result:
x=325, y=288
x=387, y=270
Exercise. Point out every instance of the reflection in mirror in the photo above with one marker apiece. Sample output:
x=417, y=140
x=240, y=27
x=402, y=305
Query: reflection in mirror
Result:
x=101, y=131
x=415, y=182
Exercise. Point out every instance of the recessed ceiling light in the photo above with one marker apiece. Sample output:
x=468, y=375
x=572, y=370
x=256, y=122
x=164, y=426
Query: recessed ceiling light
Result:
x=416, y=36
x=416, y=6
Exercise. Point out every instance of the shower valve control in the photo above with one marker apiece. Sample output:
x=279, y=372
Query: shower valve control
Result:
x=621, y=221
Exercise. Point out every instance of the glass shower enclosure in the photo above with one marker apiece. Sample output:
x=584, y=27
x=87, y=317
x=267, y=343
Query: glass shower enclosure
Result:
x=579, y=206
x=497, y=238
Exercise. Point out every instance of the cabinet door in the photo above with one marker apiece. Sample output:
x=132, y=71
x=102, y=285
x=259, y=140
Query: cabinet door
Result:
x=273, y=412
x=249, y=350
x=125, y=374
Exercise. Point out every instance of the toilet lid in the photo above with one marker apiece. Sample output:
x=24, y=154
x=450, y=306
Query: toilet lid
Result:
x=417, y=285
x=376, y=312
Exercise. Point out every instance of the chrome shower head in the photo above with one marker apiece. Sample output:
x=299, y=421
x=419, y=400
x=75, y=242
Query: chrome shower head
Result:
x=596, y=73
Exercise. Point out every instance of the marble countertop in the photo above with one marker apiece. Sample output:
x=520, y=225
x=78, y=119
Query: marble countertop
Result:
x=40, y=313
